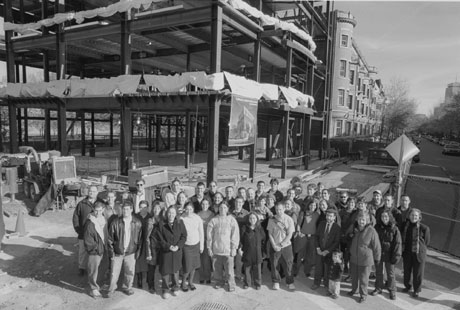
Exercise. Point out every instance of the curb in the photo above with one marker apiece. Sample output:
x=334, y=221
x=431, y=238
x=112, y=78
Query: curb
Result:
x=444, y=257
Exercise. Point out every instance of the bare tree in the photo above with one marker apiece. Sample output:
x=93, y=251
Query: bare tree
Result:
x=399, y=107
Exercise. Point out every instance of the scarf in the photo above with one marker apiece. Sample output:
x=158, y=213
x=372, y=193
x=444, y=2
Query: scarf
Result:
x=100, y=225
x=415, y=238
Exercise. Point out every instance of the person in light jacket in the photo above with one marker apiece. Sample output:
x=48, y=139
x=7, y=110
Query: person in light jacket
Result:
x=365, y=250
x=223, y=238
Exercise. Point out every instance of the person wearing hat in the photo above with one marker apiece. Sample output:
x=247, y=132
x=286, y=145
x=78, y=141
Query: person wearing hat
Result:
x=376, y=202
x=327, y=241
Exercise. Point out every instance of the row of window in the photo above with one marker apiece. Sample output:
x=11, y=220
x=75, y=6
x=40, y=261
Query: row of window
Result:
x=359, y=107
x=358, y=129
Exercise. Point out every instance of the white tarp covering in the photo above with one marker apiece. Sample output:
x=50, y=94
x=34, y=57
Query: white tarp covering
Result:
x=295, y=98
x=270, y=91
x=241, y=86
x=129, y=84
x=409, y=149
x=127, y=5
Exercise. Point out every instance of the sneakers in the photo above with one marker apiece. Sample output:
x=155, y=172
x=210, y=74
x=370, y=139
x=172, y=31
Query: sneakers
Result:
x=362, y=299
x=258, y=287
x=166, y=295
x=334, y=296
x=276, y=286
x=392, y=295
x=152, y=290
x=376, y=292
x=129, y=292
x=351, y=293
x=415, y=295
x=231, y=289
x=245, y=287
x=95, y=293
x=218, y=286
x=291, y=287
x=406, y=290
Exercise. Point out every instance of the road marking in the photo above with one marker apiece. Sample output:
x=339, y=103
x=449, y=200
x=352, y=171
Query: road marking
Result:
x=442, y=301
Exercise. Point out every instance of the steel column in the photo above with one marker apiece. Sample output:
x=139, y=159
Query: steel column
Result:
x=213, y=138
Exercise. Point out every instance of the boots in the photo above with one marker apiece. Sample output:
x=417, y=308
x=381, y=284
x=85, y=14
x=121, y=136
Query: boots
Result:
x=139, y=279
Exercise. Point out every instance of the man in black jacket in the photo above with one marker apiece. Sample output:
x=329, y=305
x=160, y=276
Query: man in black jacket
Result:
x=95, y=239
x=124, y=245
x=328, y=239
x=80, y=215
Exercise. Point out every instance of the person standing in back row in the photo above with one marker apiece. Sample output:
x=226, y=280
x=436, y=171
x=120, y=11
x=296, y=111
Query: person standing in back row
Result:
x=80, y=215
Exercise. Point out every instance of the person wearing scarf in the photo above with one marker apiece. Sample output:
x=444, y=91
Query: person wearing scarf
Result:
x=95, y=240
x=415, y=240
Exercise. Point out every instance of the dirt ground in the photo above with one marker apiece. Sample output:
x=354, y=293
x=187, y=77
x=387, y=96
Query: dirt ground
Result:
x=40, y=269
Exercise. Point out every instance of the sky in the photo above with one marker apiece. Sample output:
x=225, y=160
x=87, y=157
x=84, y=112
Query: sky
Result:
x=416, y=41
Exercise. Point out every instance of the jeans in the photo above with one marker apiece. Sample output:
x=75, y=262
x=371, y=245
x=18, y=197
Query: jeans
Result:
x=170, y=277
x=322, y=270
x=253, y=273
x=285, y=257
x=238, y=266
x=223, y=270
x=206, y=266
x=413, y=267
x=129, y=265
x=334, y=287
x=390, y=270
x=308, y=254
x=82, y=255
x=93, y=270
x=151, y=275
x=360, y=274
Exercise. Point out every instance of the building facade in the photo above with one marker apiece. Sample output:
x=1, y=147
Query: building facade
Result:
x=357, y=98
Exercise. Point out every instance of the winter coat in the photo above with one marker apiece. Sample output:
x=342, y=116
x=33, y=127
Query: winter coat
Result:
x=167, y=236
x=93, y=241
x=333, y=238
x=251, y=244
x=80, y=215
x=116, y=237
x=424, y=240
x=223, y=235
x=390, y=242
x=150, y=242
x=336, y=272
x=365, y=247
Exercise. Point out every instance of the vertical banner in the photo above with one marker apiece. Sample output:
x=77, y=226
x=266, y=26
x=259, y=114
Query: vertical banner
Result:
x=243, y=121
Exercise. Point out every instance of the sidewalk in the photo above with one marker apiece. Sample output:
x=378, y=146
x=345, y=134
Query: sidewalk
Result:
x=42, y=272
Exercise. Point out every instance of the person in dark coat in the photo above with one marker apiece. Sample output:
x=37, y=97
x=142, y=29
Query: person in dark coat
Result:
x=80, y=215
x=404, y=210
x=415, y=240
x=390, y=241
x=365, y=252
x=141, y=261
x=335, y=274
x=327, y=241
x=151, y=244
x=171, y=236
x=252, y=240
x=347, y=216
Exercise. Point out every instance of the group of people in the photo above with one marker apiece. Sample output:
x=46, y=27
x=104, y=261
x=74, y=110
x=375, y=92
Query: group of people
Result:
x=227, y=237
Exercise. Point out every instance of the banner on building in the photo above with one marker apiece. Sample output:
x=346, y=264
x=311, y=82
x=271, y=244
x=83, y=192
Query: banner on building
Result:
x=243, y=121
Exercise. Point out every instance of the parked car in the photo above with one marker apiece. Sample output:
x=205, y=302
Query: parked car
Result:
x=442, y=142
x=451, y=147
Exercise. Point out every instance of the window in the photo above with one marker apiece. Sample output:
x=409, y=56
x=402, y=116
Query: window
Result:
x=352, y=77
x=350, y=101
x=341, y=96
x=344, y=40
x=348, y=129
x=338, y=128
x=343, y=68
x=359, y=83
x=362, y=108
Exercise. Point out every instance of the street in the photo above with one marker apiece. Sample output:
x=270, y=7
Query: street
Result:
x=438, y=201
